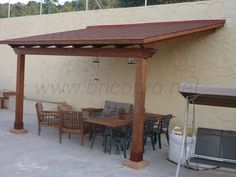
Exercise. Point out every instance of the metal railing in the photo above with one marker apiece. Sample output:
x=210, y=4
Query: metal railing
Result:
x=42, y=1
x=42, y=4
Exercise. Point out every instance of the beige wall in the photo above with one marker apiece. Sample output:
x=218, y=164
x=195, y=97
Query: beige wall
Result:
x=207, y=59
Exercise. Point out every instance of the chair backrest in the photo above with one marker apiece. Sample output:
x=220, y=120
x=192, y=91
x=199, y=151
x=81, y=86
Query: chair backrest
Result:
x=39, y=108
x=112, y=108
x=165, y=121
x=129, y=130
x=149, y=124
x=71, y=120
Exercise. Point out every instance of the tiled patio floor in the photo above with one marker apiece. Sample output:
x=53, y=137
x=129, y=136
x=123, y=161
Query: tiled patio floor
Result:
x=31, y=155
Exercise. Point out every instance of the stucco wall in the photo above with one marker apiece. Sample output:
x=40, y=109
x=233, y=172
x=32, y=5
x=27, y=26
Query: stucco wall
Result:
x=207, y=59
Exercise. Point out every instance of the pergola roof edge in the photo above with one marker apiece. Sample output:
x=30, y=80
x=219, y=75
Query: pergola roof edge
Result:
x=129, y=34
x=185, y=32
x=164, y=22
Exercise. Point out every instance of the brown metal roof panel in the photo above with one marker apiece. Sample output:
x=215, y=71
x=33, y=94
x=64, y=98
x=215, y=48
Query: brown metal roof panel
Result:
x=147, y=30
x=83, y=36
x=189, y=22
x=118, y=34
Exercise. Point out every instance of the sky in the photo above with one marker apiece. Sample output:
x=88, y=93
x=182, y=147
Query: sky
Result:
x=26, y=1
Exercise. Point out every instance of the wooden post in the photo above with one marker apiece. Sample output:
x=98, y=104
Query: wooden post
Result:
x=19, y=125
x=136, y=153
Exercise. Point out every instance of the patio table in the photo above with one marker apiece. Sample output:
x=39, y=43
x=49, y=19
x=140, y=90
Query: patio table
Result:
x=90, y=111
x=116, y=121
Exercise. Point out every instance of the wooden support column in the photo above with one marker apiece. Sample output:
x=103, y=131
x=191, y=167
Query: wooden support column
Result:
x=136, y=154
x=19, y=125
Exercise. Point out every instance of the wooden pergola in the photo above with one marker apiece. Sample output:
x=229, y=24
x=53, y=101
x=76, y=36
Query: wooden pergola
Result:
x=139, y=41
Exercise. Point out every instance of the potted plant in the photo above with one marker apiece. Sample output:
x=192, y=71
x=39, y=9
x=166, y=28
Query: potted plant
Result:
x=121, y=112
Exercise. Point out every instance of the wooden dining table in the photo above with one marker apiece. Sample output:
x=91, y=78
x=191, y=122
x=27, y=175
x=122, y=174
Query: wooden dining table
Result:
x=114, y=122
x=120, y=121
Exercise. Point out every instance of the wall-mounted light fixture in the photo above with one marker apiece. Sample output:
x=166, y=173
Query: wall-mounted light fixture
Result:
x=96, y=60
x=131, y=61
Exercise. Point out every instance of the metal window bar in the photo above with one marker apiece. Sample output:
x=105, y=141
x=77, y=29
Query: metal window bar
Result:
x=41, y=7
x=98, y=4
x=146, y=1
x=9, y=9
x=184, y=139
x=87, y=5
x=184, y=136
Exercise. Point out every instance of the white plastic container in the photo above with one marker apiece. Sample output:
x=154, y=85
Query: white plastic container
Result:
x=175, y=144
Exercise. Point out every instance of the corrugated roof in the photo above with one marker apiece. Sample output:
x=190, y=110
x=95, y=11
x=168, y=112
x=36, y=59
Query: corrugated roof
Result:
x=120, y=34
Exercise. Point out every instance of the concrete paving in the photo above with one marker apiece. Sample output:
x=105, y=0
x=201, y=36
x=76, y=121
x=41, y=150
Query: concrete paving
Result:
x=31, y=155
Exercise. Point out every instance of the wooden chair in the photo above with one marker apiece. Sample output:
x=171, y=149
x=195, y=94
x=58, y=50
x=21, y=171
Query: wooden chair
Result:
x=46, y=118
x=71, y=123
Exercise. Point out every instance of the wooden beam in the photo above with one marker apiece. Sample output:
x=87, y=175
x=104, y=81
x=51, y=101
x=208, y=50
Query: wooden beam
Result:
x=60, y=46
x=80, y=45
x=30, y=46
x=19, y=92
x=100, y=52
x=15, y=46
x=122, y=45
x=136, y=153
x=74, y=41
x=45, y=45
x=100, y=45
